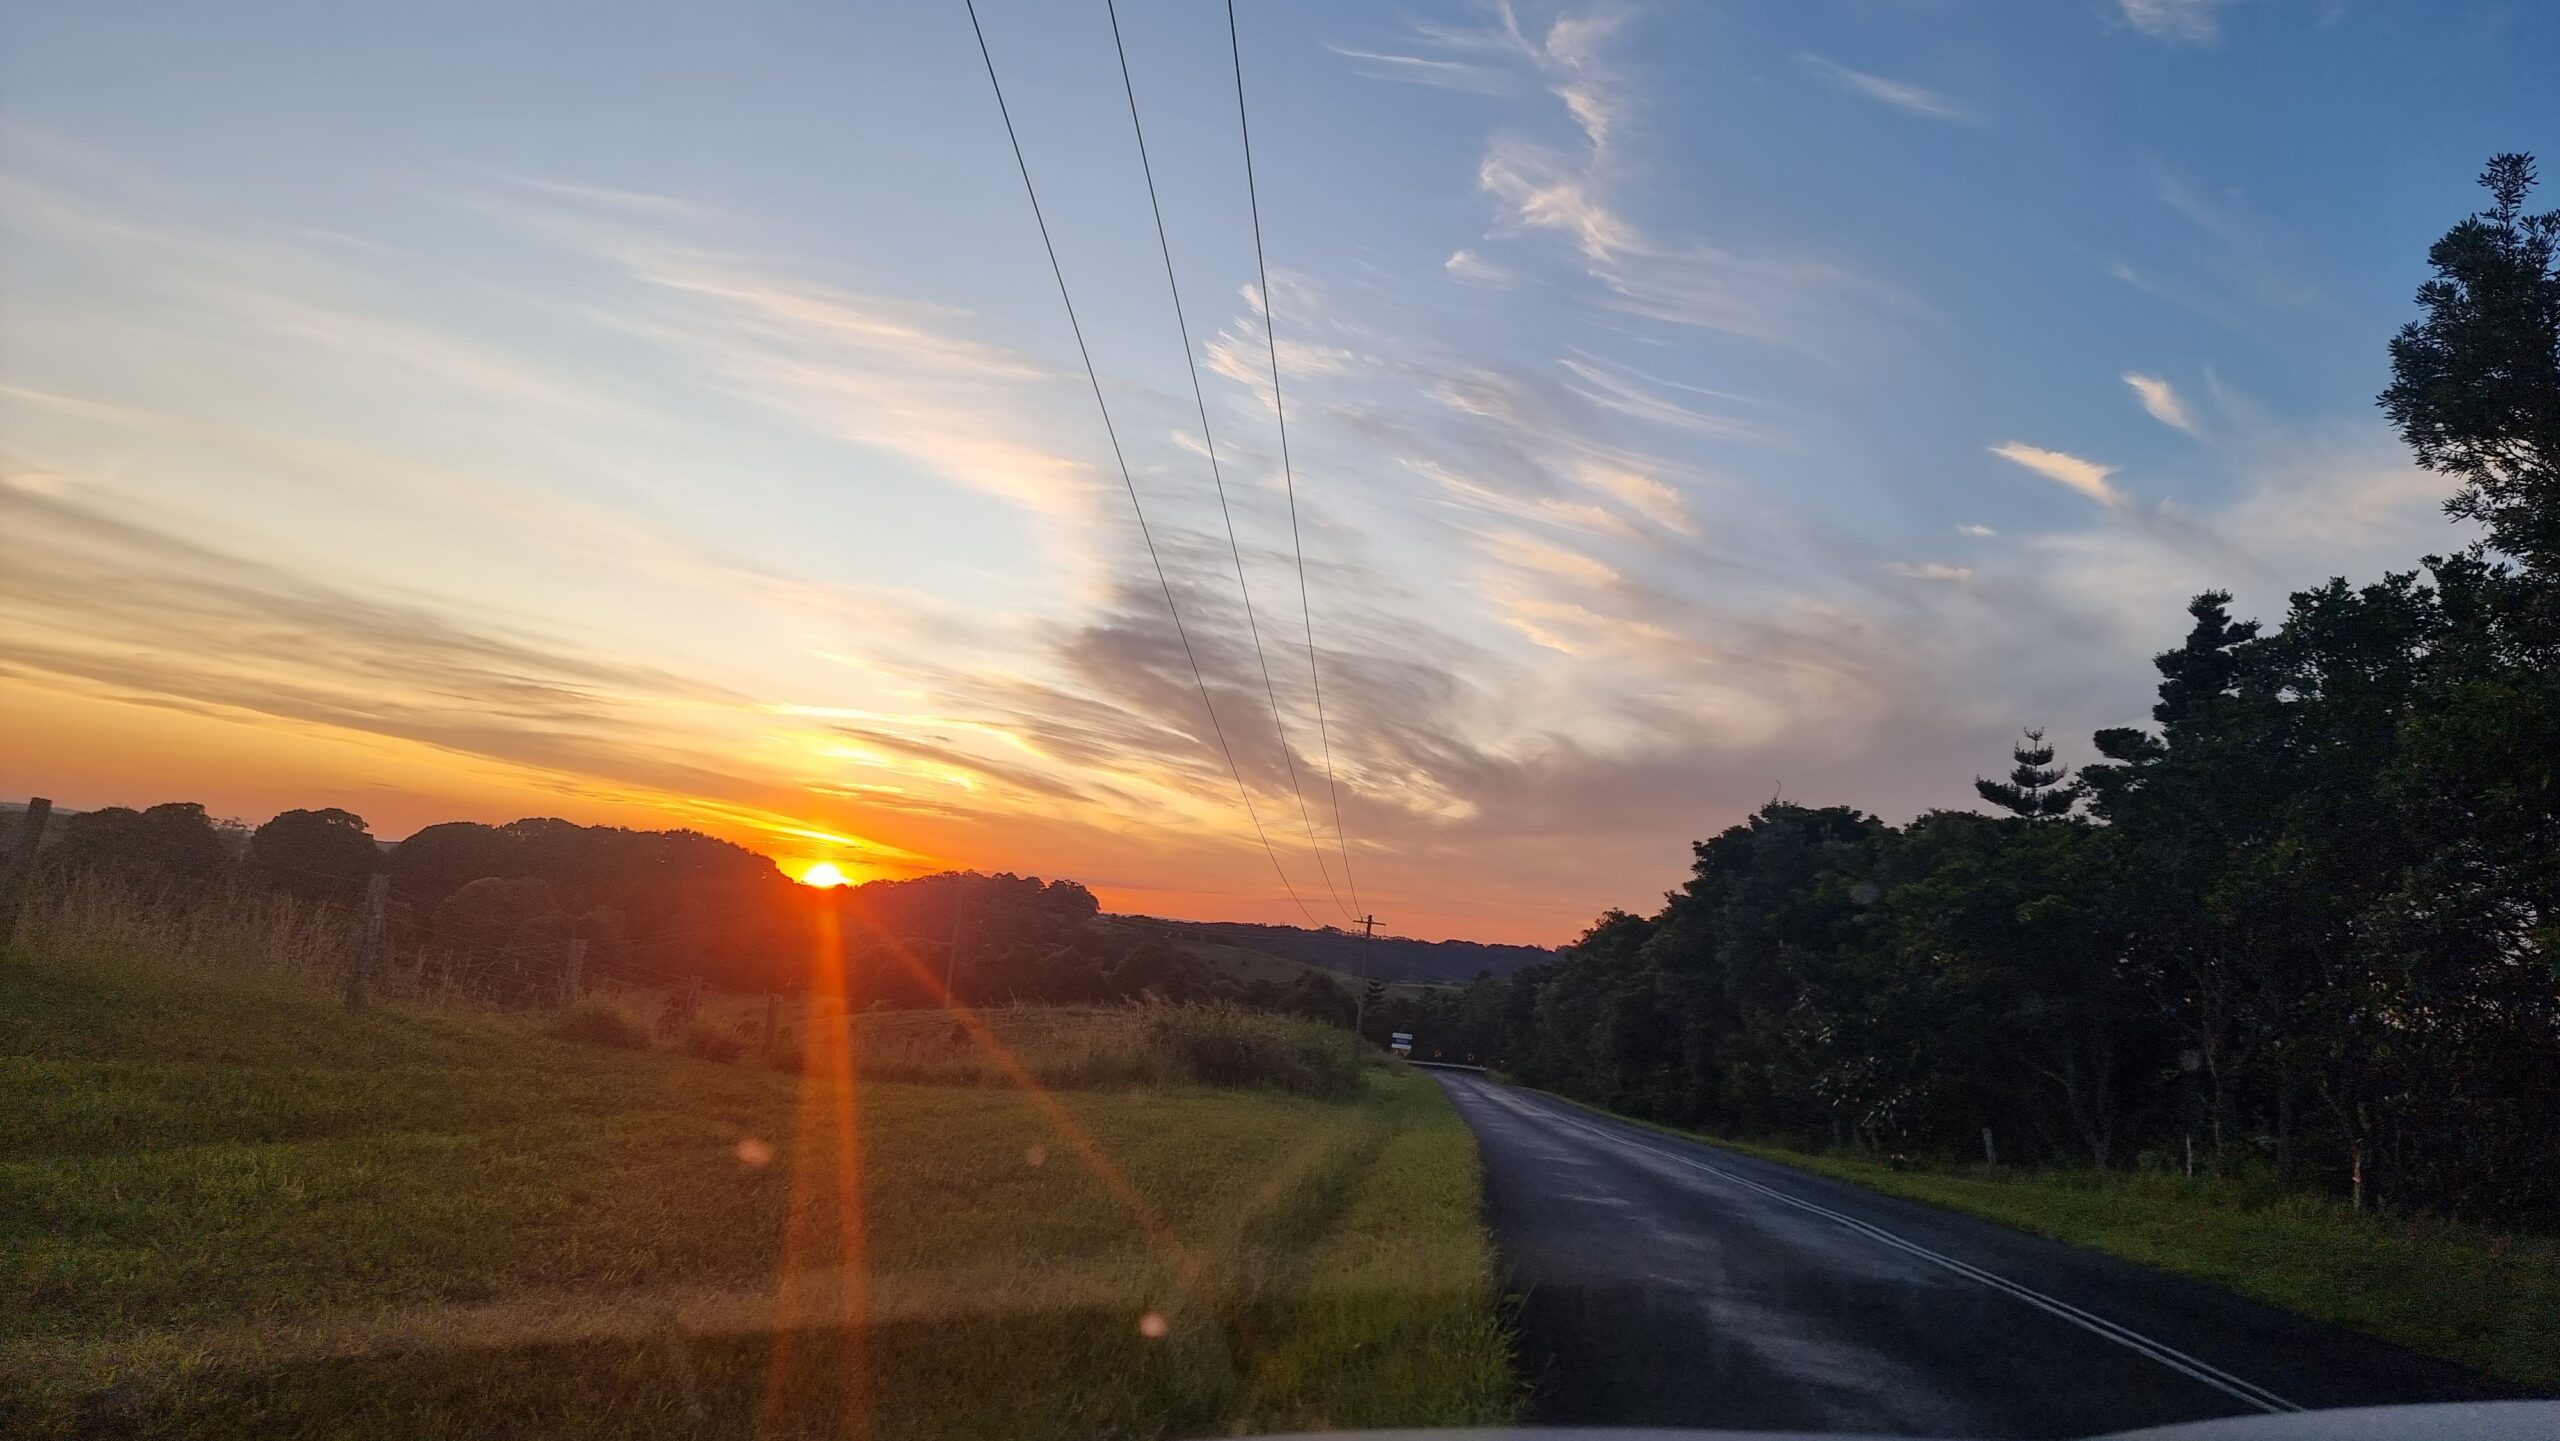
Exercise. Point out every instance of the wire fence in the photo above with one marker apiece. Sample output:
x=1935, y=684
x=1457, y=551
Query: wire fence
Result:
x=315, y=928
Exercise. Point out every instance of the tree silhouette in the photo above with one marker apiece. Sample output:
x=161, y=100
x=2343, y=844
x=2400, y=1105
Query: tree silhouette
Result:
x=322, y=852
x=2035, y=786
x=173, y=841
x=2311, y=919
x=438, y=860
x=2475, y=386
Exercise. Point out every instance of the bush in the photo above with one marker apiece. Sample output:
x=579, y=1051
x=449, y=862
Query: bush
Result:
x=597, y=1022
x=711, y=1043
x=1228, y=1046
x=1105, y=1048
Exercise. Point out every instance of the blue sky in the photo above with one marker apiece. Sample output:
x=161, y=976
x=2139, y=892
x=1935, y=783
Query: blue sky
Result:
x=665, y=412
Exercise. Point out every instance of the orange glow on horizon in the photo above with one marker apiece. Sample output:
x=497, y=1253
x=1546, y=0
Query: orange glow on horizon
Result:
x=824, y=875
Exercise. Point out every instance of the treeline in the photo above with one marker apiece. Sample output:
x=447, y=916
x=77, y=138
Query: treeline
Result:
x=2306, y=922
x=491, y=910
x=1393, y=958
x=1002, y=939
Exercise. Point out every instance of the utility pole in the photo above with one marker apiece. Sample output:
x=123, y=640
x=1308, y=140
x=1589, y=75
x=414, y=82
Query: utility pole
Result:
x=377, y=898
x=951, y=957
x=1360, y=998
x=21, y=865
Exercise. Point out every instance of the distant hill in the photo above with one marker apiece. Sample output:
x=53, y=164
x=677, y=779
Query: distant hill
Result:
x=1390, y=958
x=608, y=871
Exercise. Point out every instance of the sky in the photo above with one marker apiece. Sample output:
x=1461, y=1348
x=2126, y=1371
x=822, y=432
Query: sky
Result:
x=664, y=413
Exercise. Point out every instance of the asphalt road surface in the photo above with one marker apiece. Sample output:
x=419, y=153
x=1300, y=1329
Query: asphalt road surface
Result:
x=1667, y=1282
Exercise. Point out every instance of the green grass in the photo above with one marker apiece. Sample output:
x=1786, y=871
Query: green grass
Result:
x=2486, y=1299
x=229, y=1208
x=1080, y=1048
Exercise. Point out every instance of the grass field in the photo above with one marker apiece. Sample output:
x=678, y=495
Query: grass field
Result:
x=2486, y=1299
x=229, y=1208
x=1057, y=1047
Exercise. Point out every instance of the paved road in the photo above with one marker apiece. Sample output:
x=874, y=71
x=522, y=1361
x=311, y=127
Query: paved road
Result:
x=1671, y=1283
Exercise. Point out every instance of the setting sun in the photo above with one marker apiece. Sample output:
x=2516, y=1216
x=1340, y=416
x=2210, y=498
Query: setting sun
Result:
x=824, y=874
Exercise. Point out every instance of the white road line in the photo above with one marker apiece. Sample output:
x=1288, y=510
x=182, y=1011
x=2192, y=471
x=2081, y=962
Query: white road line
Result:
x=2157, y=1350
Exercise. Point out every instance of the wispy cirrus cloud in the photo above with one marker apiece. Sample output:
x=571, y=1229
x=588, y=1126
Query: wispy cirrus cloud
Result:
x=906, y=378
x=1242, y=349
x=108, y=602
x=2255, y=255
x=1574, y=57
x=1474, y=269
x=1442, y=74
x=1932, y=570
x=872, y=370
x=1792, y=301
x=1908, y=98
x=2241, y=268
x=1569, y=61
x=1642, y=493
x=2085, y=476
x=1531, y=553
x=2160, y=399
x=264, y=292
x=1631, y=392
x=2175, y=22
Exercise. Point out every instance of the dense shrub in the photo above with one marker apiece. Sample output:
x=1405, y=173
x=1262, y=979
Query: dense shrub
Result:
x=1228, y=1046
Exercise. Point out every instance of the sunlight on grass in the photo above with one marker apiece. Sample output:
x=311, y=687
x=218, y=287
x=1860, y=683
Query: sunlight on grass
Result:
x=237, y=1210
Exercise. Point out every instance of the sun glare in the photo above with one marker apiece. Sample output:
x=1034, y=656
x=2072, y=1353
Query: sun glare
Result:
x=824, y=874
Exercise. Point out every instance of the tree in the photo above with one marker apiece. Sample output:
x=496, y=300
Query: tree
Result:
x=495, y=912
x=2314, y=910
x=172, y=841
x=438, y=860
x=2034, y=788
x=2475, y=385
x=319, y=853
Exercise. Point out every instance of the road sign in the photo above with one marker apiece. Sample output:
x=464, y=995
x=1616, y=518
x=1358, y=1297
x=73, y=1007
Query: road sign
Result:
x=1401, y=1043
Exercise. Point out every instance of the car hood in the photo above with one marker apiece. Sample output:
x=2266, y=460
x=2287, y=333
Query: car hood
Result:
x=2461, y=1421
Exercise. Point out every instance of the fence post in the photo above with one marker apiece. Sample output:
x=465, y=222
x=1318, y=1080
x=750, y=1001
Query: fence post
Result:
x=1990, y=1153
x=692, y=997
x=377, y=896
x=772, y=1013
x=22, y=864
x=570, y=967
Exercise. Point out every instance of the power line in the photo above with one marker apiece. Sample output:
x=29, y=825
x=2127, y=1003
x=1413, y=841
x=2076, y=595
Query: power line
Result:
x=1094, y=377
x=1279, y=413
x=1216, y=476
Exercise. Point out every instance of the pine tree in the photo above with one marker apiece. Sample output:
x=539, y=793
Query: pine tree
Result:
x=2035, y=786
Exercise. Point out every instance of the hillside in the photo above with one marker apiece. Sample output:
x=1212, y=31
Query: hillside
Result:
x=237, y=1210
x=1389, y=958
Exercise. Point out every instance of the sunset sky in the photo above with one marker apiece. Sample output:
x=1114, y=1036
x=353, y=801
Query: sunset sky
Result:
x=663, y=413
